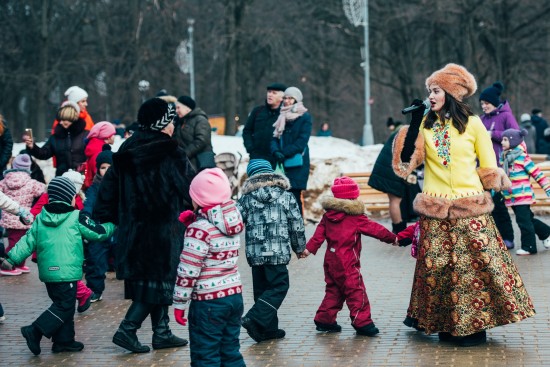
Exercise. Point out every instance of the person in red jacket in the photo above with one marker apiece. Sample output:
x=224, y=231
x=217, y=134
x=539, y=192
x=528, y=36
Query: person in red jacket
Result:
x=101, y=133
x=341, y=226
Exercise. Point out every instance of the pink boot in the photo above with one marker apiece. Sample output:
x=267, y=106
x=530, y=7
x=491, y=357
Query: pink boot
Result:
x=83, y=296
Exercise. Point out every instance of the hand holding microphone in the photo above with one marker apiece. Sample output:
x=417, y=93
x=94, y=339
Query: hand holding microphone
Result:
x=416, y=105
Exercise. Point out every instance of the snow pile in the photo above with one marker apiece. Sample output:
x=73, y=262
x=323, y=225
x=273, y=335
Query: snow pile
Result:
x=330, y=157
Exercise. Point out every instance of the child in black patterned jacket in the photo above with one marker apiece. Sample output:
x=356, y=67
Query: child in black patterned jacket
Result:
x=274, y=227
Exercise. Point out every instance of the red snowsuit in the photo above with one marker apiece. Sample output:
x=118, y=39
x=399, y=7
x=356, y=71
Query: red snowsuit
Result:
x=342, y=226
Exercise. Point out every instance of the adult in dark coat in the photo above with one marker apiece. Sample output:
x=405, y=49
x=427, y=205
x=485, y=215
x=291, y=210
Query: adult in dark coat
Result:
x=540, y=124
x=143, y=193
x=290, y=137
x=258, y=130
x=193, y=131
x=67, y=143
x=6, y=145
x=400, y=192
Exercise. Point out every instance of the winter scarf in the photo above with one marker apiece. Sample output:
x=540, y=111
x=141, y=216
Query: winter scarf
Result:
x=508, y=158
x=288, y=113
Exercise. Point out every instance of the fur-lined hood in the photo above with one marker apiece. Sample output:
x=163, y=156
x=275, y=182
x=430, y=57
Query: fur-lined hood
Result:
x=266, y=187
x=337, y=209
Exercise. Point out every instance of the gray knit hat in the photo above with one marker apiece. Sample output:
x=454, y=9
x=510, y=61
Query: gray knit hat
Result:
x=61, y=189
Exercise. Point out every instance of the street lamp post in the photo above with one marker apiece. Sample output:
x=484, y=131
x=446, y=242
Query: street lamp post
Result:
x=357, y=12
x=190, y=22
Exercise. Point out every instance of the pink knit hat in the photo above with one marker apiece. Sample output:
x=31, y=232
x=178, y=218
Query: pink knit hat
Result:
x=102, y=130
x=345, y=188
x=210, y=187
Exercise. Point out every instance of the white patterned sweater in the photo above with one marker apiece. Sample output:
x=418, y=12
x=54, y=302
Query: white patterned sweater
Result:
x=208, y=262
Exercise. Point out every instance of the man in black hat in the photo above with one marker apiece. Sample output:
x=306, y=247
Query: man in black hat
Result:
x=258, y=130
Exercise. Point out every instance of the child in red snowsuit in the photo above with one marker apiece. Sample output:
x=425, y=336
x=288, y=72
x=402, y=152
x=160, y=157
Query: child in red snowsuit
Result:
x=341, y=226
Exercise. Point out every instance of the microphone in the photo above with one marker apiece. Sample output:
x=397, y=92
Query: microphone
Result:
x=425, y=104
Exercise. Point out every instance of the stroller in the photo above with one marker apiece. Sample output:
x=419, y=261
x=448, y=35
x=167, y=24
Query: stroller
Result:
x=229, y=164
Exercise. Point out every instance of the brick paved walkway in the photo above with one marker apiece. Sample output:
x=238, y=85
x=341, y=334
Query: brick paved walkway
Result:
x=388, y=274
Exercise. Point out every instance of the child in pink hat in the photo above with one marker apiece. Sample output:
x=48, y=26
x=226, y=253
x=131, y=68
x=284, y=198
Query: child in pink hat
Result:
x=101, y=133
x=344, y=219
x=208, y=273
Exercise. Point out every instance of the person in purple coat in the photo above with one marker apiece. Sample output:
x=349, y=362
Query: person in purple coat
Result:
x=497, y=117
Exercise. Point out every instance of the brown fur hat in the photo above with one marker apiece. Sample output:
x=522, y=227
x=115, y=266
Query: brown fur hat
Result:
x=455, y=80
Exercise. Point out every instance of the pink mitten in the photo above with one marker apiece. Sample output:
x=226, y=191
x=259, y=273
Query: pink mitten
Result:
x=187, y=217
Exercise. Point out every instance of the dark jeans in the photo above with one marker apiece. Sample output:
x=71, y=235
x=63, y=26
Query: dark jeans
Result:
x=529, y=226
x=97, y=264
x=214, y=329
x=298, y=196
x=57, y=322
x=270, y=284
x=502, y=217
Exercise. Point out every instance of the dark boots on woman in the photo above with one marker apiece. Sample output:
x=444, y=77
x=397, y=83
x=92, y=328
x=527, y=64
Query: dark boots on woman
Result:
x=474, y=339
x=125, y=336
x=162, y=335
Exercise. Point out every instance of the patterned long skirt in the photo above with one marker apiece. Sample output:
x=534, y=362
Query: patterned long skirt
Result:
x=465, y=280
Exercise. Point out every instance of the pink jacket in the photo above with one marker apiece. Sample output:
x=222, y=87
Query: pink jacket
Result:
x=18, y=185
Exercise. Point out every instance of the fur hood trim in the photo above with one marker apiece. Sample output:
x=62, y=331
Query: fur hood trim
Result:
x=264, y=180
x=405, y=169
x=494, y=179
x=441, y=208
x=350, y=207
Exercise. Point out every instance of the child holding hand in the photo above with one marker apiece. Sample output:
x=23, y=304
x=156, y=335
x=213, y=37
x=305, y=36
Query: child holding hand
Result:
x=342, y=226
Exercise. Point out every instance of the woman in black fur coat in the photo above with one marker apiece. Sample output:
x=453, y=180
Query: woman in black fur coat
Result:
x=143, y=193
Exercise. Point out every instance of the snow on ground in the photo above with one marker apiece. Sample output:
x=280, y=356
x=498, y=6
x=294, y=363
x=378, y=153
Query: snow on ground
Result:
x=330, y=157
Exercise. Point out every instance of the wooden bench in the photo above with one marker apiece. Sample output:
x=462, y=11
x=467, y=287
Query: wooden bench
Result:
x=377, y=202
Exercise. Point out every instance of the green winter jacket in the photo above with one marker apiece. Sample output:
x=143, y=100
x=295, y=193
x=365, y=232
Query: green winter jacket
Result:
x=56, y=236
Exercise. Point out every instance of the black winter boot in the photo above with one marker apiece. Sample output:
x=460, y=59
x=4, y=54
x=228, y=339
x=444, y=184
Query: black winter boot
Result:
x=33, y=336
x=162, y=335
x=398, y=227
x=473, y=339
x=125, y=336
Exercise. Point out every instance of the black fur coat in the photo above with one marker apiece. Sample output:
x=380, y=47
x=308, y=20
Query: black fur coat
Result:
x=143, y=193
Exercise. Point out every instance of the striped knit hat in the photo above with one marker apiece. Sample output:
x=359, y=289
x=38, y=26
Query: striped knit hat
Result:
x=61, y=189
x=256, y=166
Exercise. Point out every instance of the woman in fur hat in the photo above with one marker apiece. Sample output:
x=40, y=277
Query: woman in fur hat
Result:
x=465, y=281
x=143, y=192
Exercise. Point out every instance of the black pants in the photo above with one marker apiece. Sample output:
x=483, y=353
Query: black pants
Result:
x=97, y=264
x=529, y=226
x=502, y=218
x=57, y=322
x=298, y=195
x=270, y=284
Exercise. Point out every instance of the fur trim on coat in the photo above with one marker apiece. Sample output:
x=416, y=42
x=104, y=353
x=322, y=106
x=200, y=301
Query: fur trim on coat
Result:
x=264, y=180
x=350, y=207
x=441, y=208
x=494, y=179
x=405, y=169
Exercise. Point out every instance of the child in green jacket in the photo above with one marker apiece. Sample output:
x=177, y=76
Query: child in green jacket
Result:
x=53, y=236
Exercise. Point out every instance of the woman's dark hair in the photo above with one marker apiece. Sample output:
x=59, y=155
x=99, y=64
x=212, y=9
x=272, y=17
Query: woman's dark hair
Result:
x=458, y=111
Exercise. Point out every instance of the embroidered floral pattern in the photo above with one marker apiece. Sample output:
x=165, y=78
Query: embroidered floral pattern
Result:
x=468, y=286
x=442, y=142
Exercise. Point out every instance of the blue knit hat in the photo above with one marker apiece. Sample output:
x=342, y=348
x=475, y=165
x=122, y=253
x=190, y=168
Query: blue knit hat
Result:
x=61, y=189
x=256, y=166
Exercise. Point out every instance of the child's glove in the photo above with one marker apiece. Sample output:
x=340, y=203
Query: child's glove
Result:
x=179, y=315
x=25, y=216
x=187, y=217
x=5, y=264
